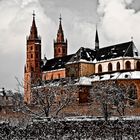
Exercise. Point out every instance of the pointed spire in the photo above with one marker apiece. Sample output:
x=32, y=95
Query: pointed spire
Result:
x=96, y=37
x=60, y=34
x=60, y=24
x=96, y=40
x=33, y=32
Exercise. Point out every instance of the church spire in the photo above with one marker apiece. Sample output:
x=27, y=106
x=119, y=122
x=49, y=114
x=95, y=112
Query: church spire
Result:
x=60, y=45
x=96, y=40
x=60, y=34
x=32, y=73
x=33, y=32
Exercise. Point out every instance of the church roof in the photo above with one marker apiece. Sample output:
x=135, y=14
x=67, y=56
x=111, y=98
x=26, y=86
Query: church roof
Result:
x=55, y=63
x=126, y=49
x=83, y=54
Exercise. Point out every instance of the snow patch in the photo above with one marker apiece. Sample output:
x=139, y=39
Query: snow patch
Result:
x=84, y=81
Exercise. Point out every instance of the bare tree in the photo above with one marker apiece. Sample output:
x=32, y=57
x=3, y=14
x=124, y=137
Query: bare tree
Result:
x=49, y=99
x=111, y=98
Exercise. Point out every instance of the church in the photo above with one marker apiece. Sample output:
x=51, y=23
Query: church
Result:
x=119, y=62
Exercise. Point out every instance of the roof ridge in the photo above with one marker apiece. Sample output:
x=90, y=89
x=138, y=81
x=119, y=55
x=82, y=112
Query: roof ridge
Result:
x=117, y=44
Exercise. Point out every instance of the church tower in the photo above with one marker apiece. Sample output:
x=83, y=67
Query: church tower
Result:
x=96, y=41
x=32, y=73
x=60, y=45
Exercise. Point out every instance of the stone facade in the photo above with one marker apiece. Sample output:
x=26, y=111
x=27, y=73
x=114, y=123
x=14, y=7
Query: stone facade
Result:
x=79, y=69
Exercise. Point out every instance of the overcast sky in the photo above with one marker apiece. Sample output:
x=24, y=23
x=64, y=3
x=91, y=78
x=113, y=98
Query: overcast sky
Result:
x=118, y=21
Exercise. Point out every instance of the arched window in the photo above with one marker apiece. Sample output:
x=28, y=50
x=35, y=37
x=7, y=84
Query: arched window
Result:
x=109, y=67
x=32, y=69
x=31, y=55
x=31, y=47
x=127, y=65
x=118, y=65
x=36, y=55
x=138, y=65
x=59, y=50
x=59, y=76
x=132, y=94
x=99, y=68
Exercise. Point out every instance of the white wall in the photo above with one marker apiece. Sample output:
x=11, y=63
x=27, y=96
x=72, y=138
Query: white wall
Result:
x=122, y=62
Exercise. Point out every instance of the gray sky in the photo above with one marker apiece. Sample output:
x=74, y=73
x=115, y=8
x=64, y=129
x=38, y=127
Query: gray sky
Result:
x=117, y=20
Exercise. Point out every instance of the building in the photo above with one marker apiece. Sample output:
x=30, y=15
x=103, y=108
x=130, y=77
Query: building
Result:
x=117, y=62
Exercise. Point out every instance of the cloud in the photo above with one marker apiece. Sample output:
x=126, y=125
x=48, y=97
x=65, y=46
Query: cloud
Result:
x=78, y=22
x=15, y=25
x=119, y=22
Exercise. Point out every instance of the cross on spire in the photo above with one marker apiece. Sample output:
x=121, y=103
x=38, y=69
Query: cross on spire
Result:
x=60, y=18
x=132, y=38
x=33, y=14
x=33, y=31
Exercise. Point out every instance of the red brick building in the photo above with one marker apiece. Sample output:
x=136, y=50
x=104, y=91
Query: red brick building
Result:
x=96, y=63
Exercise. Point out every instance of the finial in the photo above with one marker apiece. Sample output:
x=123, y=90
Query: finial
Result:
x=60, y=18
x=33, y=13
x=132, y=38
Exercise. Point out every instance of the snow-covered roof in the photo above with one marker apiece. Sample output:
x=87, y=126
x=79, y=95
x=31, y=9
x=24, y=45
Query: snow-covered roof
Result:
x=113, y=76
x=88, y=55
x=117, y=75
x=127, y=49
x=55, y=63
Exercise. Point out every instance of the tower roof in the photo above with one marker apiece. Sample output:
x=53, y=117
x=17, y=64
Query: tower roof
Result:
x=33, y=32
x=60, y=34
x=96, y=37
